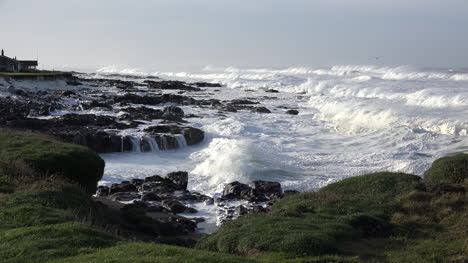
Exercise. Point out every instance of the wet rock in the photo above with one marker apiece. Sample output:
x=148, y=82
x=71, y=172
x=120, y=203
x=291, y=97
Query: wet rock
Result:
x=272, y=91
x=170, y=85
x=137, y=182
x=261, y=110
x=141, y=113
x=125, y=186
x=292, y=112
x=67, y=93
x=16, y=91
x=174, y=206
x=174, y=110
x=151, y=196
x=102, y=191
x=95, y=105
x=242, y=101
x=208, y=85
x=173, y=129
x=264, y=191
x=236, y=190
x=193, y=135
x=124, y=196
x=179, y=180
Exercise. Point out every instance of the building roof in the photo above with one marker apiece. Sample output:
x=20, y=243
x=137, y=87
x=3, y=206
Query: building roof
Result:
x=28, y=63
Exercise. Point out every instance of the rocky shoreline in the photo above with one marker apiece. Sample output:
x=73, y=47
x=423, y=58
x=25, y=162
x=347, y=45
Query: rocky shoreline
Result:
x=97, y=112
x=30, y=108
x=169, y=196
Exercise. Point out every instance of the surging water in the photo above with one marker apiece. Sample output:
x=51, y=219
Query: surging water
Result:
x=353, y=120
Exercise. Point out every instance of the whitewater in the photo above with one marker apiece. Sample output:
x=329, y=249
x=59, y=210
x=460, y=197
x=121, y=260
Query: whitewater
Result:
x=352, y=120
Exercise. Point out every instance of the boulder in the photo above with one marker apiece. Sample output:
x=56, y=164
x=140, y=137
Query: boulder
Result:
x=292, y=112
x=179, y=179
x=193, y=135
x=236, y=190
x=264, y=191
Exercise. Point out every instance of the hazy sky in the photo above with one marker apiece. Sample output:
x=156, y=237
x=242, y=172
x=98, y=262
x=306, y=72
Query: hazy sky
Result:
x=190, y=34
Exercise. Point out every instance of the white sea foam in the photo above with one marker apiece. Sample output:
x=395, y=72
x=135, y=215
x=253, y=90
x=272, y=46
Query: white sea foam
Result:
x=353, y=120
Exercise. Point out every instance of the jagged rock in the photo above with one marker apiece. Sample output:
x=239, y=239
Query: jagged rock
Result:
x=261, y=110
x=292, y=112
x=264, y=191
x=124, y=186
x=141, y=113
x=208, y=85
x=179, y=179
x=236, y=190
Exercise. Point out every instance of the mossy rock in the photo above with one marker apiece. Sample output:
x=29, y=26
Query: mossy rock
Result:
x=49, y=156
x=450, y=169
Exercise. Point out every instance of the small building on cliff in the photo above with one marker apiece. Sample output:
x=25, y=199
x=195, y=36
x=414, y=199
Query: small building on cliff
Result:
x=13, y=65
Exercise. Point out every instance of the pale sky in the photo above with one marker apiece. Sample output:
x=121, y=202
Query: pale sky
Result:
x=180, y=35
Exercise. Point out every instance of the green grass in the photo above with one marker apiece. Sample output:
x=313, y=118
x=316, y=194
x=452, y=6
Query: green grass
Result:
x=380, y=217
x=49, y=157
x=450, y=169
x=42, y=243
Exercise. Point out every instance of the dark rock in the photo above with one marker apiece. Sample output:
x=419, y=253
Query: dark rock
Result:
x=102, y=191
x=242, y=101
x=261, y=110
x=206, y=84
x=150, y=197
x=173, y=129
x=154, y=178
x=141, y=113
x=124, y=196
x=292, y=112
x=170, y=85
x=272, y=91
x=179, y=179
x=123, y=187
x=193, y=135
x=236, y=190
x=67, y=93
x=264, y=191
x=174, y=206
x=137, y=182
